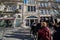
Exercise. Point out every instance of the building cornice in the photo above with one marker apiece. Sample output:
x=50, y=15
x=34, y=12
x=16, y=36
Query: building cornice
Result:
x=48, y=1
x=11, y=0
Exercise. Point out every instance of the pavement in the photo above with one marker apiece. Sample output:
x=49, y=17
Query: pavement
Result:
x=17, y=33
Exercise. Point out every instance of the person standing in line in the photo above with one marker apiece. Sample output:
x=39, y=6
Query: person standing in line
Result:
x=56, y=35
x=33, y=28
x=55, y=26
x=44, y=32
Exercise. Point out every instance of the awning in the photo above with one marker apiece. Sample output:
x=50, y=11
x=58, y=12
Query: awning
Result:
x=32, y=17
x=7, y=18
x=45, y=15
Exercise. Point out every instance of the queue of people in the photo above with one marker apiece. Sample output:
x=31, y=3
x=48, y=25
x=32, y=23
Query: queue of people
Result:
x=43, y=32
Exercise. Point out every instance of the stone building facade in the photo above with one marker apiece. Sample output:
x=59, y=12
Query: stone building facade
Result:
x=31, y=11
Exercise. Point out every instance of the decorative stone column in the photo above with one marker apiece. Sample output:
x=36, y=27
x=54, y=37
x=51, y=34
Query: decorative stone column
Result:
x=39, y=19
x=24, y=24
x=14, y=23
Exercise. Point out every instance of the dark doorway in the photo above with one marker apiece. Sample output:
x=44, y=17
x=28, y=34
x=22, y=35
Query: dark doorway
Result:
x=31, y=21
x=8, y=23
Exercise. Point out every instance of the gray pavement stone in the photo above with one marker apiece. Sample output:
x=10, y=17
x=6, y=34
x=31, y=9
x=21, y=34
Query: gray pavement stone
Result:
x=0, y=35
x=17, y=33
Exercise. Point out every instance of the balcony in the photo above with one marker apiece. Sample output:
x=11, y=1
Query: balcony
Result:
x=18, y=11
x=2, y=7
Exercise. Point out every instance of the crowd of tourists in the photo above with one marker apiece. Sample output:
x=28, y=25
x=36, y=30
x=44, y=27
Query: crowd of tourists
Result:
x=42, y=30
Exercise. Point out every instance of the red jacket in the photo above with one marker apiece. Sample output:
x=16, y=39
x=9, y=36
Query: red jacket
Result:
x=44, y=33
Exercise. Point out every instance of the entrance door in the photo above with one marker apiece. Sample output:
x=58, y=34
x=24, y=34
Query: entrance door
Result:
x=30, y=21
x=8, y=23
x=27, y=22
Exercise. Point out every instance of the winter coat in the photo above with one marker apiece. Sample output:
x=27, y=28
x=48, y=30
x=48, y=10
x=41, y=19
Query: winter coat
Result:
x=33, y=28
x=44, y=33
x=38, y=26
x=56, y=35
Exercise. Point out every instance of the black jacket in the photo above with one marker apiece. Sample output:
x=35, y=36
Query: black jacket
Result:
x=56, y=35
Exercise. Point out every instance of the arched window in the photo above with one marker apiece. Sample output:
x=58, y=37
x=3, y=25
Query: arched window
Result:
x=32, y=17
x=19, y=16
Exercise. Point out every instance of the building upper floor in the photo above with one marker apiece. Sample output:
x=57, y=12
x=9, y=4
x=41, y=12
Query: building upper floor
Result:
x=31, y=6
x=11, y=6
x=48, y=4
x=2, y=7
x=29, y=1
x=46, y=0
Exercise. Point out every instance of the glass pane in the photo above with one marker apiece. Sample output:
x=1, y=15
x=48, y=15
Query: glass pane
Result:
x=36, y=20
x=46, y=4
x=1, y=23
x=31, y=1
x=18, y=22
x=31, y=22
x=19, y=16
x=27, y=22
x=47, y=11
x=34, y=8
x=8, y=23
x=19, y=6
x=42, y=4
x=28, y=8
x=0, y=33
x=13, y=7
x=42, y=12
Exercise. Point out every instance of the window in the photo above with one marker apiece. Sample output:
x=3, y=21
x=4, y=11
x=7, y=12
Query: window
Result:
x=40, y=0
x=11, y=7
x=49, y=4
x=47, y=11
x=18, y=16
x=46, y=4
x=52, y=0
x=29, y=8
x=31, y=1
x=52, y=4
x=43, y=0
x=32, y=8
x=2, y=15
x=42, y=12
x=42, y=4
x=19, y=6
x=18, y=22
x=46, y=0
x=51, y=11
